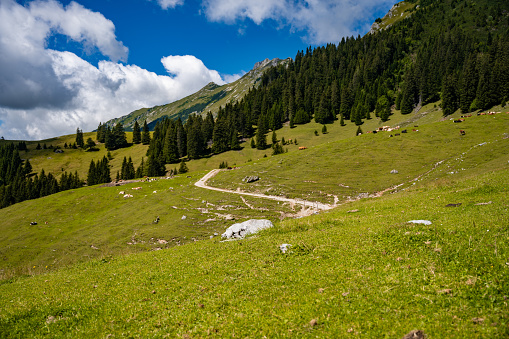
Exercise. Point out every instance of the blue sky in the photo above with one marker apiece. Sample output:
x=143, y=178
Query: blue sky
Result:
x=68, y=64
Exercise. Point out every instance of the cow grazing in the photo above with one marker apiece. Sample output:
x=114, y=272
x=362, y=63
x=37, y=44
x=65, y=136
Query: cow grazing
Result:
x=462, y=132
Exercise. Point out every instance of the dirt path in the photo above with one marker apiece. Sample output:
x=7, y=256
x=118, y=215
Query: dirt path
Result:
x=308, y=205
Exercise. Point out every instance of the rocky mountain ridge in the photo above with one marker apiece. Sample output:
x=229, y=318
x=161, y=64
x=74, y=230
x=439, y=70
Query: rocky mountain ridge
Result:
x=209, y=98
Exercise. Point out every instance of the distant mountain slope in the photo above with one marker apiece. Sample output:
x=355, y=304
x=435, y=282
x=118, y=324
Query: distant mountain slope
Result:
x=209, y=98
x=398, y=12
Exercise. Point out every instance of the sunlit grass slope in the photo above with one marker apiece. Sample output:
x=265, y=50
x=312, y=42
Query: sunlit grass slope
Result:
x=366, y=274
x=363, y=164
x=97, y=222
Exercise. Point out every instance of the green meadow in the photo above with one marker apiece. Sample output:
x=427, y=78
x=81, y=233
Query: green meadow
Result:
x=97, y=265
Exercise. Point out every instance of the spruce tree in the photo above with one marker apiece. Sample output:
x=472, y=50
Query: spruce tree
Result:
x=261, y=138
x=79, y=138
x=183, y=167
x=145, y=137
x=234, y=144
x=136, y=133
x=449, y=95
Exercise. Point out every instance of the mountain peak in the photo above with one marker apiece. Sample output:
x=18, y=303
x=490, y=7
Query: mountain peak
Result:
x=264, y=63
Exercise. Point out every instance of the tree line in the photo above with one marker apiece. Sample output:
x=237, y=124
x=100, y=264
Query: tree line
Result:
x=18, y=183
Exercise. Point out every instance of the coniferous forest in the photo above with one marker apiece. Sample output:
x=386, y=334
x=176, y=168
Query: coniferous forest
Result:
x=17, y=182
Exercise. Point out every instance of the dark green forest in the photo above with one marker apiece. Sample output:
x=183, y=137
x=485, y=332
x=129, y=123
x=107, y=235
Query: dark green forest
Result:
x=18, y=183
x=453, y=51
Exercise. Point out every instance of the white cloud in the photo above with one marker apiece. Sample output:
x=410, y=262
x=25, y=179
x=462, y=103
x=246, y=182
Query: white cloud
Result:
x=165, y=4
x=104, y=92
x=322, y=21
x=45, y=93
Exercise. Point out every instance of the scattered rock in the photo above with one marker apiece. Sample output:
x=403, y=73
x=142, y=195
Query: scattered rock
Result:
x=424, y=222
x=240, y=230
x=484, y=203
x=394, y=171
x=415, y=334
x=162, y=241
x=321, y=290
x=345, y=294
x=251, y=178
x=184, y=217
x=446, y=291
x=93, y=247
x=285, y=248
x=453, y=205
x=313, y=322
x=353, y=211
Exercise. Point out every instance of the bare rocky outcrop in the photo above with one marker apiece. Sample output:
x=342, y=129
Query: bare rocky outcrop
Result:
x=240, y=230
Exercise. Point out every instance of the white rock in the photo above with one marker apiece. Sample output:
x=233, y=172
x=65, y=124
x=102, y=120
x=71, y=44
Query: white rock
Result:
x=285, y=248
x=240, y=230
x=424, y=222
x=184, y=217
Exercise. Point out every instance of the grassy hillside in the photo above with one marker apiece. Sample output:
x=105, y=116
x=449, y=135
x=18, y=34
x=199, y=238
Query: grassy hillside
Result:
x=98, y=222
x=349, y=167
x=209, y=98
x=366, y=274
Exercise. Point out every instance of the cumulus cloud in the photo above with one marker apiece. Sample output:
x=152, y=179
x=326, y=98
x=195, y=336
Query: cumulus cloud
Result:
x=165, y=4
x=322, y=21
x=105, y=92
x=44, y=93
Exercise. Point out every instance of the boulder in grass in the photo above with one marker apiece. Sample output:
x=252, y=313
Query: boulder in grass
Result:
x=240, y=230
x=251, y=178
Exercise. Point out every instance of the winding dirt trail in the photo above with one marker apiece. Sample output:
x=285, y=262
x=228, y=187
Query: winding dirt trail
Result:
x=310, y=205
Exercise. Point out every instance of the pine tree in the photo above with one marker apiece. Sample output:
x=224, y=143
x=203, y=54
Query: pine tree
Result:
x=27, y=169
x=449, y=95
x=261, y=138
x=101, y=133
x=183, y=167
x=195, y=142
x=274, y=137
x=145, y=137
x=234, y=144
x=91, y=178
x=90, y=145
x=140, y=171
x=253, y=144
x=119, y=137
x=136, y=133
x=324, y=129
x=79, y=138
